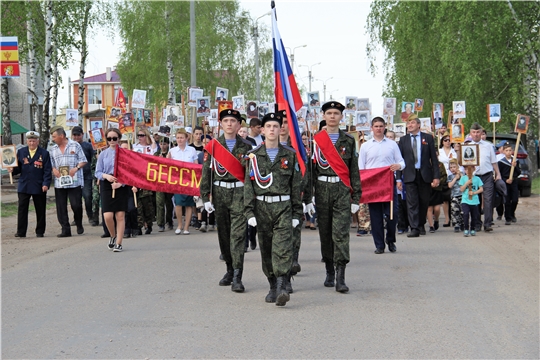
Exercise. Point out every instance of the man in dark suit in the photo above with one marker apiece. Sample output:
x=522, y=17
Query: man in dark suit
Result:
x=36, y=176
x=421, y=173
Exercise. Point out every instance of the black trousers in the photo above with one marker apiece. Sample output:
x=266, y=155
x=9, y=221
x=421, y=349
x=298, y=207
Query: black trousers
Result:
x=417, y=196
x=75, y=199
x=40, y=202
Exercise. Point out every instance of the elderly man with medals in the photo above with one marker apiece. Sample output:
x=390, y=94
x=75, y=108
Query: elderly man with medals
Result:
x=272, y=196
x=223, y=180
x=337, y=191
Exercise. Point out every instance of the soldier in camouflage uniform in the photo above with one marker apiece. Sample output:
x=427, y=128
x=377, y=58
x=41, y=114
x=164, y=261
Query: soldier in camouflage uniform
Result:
x=226, y=191
x=272, y=197
x=285, y=140
x=164, y=205
x=334, y=199
x=364, y=221
x=145, y=210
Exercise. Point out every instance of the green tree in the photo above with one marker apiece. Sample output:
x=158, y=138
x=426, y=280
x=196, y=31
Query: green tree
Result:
x=151, y=48
x=475, y=51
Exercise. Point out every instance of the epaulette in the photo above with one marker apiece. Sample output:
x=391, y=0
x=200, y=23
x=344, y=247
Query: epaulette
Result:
x=349, y=135
x=289, y=148
x=255, y=149
x=246, y=142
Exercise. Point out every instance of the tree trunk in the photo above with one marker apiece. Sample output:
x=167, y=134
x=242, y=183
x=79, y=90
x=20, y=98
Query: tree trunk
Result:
x=172, y=91
x=30, y=27
x=84, y=55
x=54, y=88
x=6, y=124
x=47, y=72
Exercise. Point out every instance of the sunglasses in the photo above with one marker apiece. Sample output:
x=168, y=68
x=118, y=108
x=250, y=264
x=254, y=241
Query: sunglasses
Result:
x=140, y=135
x=114, y=138
x=445, y=140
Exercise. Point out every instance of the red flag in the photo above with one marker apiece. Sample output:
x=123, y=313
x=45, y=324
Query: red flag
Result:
x=287, y=95
x=377, y=185
x=120, y=101
x=157, y=173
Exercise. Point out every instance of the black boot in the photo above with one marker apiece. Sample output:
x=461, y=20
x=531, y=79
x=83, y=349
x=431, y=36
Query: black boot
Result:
x=271, y=297
x=330, y=275
x=148, y=230
x=282, y=294
x=340, y=280
x=295, y=265
x=237, y=285
x=228, y=277
x=288, y=285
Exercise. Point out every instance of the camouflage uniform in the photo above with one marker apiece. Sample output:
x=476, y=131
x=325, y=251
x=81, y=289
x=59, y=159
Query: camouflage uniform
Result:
x=364, y=221
x=145, y=208
x=228, y=198
x=274, y=217
x=164, y=205
x=333, y=201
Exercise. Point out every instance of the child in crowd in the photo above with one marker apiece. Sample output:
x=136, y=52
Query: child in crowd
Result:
x=455, y=195
x=512, y=191
x=470, y=201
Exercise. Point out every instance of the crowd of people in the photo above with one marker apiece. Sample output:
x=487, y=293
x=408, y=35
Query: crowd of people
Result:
x=252, y=187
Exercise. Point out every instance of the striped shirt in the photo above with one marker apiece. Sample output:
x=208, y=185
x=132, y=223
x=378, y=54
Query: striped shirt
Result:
x=72, y=156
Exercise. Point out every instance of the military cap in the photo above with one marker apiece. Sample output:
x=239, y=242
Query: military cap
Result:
x=230, y=113
x=32, y=135
x=57, y=127
x=181, y=131
x=333, y=105
x=413, y=117
x=272, y=117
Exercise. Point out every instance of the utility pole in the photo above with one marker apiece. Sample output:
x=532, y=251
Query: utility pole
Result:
x=193, y=49
x=309, y=72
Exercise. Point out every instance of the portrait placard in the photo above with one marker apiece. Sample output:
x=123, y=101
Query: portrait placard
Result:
x=97, y=138
x=362, y=104
x=438, y=115
x=406, y=110
x=522, y=124
x=238, y=104
x=9, y=156
x=470, y=155
x=361, y=121
x=252, y=110
x=72, y=117
x=202, y=106
x=459, y=109
x=350, y=103
x=194, y=94
x=494, y=112
x=399, y=129
x=126, y=124
x=222, y=94
x=314, y=99
x=425, y=125
x=389, y=106
x=139, y=99
x=418, y=105
x=456, y=133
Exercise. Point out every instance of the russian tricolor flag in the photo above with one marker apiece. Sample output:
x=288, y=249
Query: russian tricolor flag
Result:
x=286, y=92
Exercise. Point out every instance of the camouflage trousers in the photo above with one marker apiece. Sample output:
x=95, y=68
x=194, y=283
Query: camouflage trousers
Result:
x=164, y=208
x=334, y=217
x=456, y=212
x=364, y=221
x=274, y=225
x=95, y=202
x=231, y=223
x=145, y=208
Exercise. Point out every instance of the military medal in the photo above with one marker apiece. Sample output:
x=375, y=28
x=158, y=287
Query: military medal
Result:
x=25, y=161
x=343, y=150
x=284, y=163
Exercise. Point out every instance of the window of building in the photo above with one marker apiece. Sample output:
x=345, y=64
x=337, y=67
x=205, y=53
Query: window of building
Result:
x=94, y=94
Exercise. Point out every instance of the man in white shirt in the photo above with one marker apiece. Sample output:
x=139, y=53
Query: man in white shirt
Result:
x=375, y=153
x=488, y=166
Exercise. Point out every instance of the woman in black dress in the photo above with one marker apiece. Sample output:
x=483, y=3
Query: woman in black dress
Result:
x=114, y=208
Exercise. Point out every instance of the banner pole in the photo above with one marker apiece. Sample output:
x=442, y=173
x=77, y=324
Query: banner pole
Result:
x=494, y=142
x=135, y=199
x=11, y=178
x=516, y=149
x=391, y=209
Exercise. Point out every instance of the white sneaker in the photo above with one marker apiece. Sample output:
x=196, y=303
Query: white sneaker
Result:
x=185, y=232
x=211, y=228
x=203, y=227
x=178, y=231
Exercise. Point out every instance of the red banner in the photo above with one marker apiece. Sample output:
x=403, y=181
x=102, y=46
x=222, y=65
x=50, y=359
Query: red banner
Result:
x=377, y=185
x=120, y=101
x=157, y=173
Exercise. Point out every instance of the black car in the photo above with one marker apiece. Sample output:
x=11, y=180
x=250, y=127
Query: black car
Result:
x=525, y=179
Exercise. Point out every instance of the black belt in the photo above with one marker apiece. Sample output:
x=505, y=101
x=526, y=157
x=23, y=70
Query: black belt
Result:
x=488, y=173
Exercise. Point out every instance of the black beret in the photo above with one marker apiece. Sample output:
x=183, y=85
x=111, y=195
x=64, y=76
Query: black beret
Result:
x=230, y=113
x=272, y=117
x=333, y=105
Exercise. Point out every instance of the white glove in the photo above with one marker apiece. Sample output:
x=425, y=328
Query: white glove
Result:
x=252, y=221
x=355, y=208
x=313, y=200
x=208, y=207
x=303, y=208
x=295, y=223
x=310, y=209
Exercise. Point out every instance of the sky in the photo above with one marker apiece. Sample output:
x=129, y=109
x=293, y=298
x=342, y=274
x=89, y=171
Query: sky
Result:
x=334, y=34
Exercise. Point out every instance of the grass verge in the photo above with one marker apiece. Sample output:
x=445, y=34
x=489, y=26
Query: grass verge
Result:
x=7, y=210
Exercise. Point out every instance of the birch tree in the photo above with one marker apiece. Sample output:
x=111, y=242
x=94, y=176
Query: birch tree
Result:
x=6, y=125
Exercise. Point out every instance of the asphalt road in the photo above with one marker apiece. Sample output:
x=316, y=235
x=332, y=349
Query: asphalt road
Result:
x=440, y=296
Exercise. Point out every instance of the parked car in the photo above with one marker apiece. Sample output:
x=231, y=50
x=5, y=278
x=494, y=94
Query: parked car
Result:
x=525, y=179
